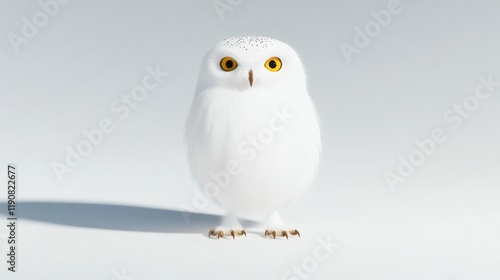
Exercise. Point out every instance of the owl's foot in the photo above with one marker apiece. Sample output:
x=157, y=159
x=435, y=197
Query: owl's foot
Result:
x=283, y=233
x=221, y=233
x=227, y=228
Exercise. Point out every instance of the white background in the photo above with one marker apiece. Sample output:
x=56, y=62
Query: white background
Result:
x=117, y=215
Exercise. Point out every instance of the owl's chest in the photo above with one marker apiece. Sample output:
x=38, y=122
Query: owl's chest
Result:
x=253, y=120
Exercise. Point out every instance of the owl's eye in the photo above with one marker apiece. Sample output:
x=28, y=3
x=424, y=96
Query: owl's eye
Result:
x=228, y=64
x=273, y=64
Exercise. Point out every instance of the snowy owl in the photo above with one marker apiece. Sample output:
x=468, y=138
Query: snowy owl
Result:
x=252, y=134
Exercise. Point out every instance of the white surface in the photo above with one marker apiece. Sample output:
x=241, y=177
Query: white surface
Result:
x=442, y=223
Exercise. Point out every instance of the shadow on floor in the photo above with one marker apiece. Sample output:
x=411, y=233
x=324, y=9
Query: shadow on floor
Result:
x=114, y=217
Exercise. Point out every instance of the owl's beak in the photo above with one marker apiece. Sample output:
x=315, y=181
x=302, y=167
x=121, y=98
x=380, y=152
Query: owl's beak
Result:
x=250, y=77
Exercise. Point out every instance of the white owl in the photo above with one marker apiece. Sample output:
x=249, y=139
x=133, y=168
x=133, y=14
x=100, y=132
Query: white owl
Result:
x=252, y=134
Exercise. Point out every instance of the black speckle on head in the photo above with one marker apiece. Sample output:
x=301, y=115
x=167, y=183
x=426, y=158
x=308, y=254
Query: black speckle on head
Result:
x=250, y=42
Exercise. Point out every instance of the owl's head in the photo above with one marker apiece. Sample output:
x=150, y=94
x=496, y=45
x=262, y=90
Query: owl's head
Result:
x=247, y=63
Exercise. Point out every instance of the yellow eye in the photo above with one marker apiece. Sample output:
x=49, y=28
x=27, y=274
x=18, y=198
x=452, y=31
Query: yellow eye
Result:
x=273, y=64
x=228, y=64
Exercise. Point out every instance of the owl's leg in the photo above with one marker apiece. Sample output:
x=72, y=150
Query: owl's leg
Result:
x=276, y=226
x=230, y=226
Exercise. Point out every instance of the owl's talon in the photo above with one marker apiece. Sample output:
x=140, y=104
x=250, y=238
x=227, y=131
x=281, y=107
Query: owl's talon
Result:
x=283, y=233
x=270, y=232
x=220, y=233
x=213, y=233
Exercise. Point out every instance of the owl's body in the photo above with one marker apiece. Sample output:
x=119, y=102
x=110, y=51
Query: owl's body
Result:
x=252, y=134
